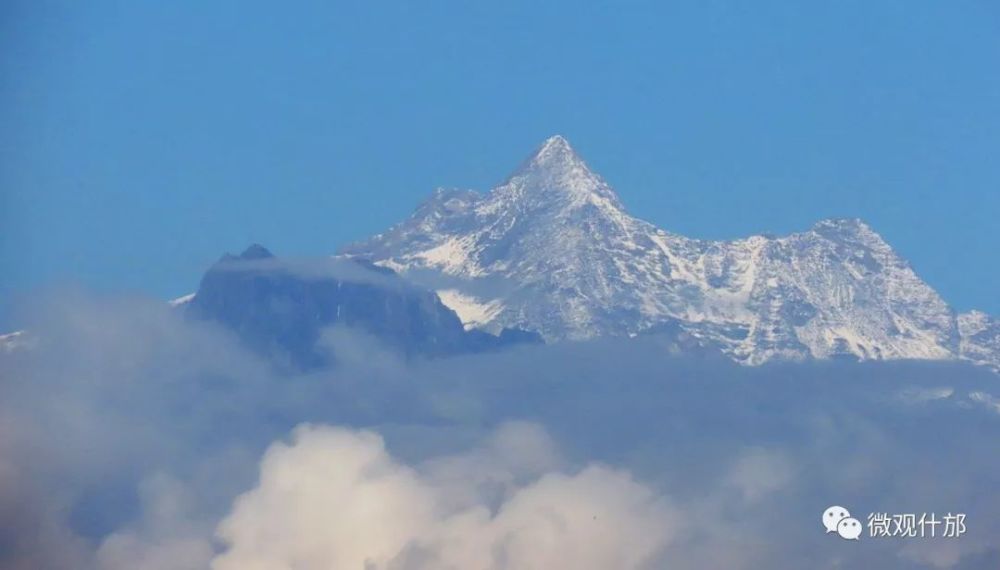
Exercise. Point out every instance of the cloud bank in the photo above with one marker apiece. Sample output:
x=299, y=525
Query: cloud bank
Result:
x=132, y=438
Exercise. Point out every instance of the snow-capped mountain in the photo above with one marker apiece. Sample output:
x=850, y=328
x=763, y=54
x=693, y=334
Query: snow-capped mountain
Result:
x=553, y=250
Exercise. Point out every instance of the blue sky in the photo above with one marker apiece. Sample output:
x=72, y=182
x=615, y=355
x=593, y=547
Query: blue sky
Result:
x=142, y=139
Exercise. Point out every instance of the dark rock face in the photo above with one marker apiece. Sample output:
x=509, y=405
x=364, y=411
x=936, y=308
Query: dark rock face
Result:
x=279, y=309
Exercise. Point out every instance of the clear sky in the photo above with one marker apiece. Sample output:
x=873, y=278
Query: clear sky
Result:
x=141, y=139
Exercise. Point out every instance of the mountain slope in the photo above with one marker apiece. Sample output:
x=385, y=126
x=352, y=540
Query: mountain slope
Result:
x=553, y=250
x=980, y=338
x=279, y=308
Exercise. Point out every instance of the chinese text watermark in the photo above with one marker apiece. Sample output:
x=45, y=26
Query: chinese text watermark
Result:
x=887, y=525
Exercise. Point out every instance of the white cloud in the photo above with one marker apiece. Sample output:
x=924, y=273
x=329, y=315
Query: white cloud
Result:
x=335, y=498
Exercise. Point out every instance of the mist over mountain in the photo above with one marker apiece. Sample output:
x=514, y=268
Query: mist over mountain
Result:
x=553, y=250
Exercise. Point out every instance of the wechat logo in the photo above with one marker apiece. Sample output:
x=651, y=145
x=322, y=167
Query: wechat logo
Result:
x=839, y=520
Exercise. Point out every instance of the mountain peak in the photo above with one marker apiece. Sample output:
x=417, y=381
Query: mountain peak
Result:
x=850, y=229
x=555, y=150
x=556, y=143
x=256, y=251
x=555, y=174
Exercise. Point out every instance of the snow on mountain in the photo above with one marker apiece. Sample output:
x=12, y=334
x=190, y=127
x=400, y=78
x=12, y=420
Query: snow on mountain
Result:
x=472, y=312
x=553, y=250
x=980, y=338
x=182, y=300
